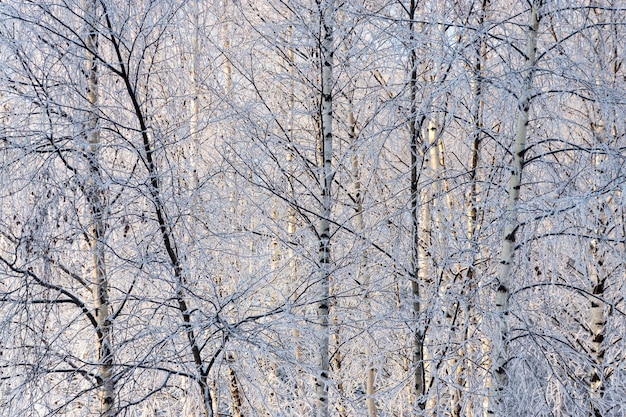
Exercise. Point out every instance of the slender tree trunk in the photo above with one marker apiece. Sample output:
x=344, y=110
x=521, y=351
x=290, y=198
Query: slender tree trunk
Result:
x=194, y=123
x=419, y=375
x=500, y=349
x=597, y=321
x=429, y=223
x=209, y=394
x=477, y=116
x=228, y=71
x=362, y=276
x=235, y=390
x=327, y=11
x=598, y=275
x=604, y=133
x=296, y=389
x=466, y=351
x=97, y=202
x=167, y=237
x=337, y=364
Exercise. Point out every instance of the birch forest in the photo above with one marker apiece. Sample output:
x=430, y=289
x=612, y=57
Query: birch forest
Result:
x=324, y=208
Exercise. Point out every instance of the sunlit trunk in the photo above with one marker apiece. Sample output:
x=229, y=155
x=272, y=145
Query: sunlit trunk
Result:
x=500, y=353
x=97, y=207
x=327, y=10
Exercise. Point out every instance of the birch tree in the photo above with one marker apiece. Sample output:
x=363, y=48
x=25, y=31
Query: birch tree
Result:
x=512, y=225
x=311, y=208
x=84, y=178
x=122, y=105
x=327, y=11
x=604, y=133
x=96, y=199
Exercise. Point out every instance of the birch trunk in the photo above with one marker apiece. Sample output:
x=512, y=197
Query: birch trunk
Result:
x=362, y=276
x=598, y=276
x=597, y=323
x=234, y=386
x=194, y=123
x=500, y=349
x=419, y=376
x=97, y=203
x=604, y=134
x=292, y=224
x=228, y=71
x=327, y=11
x=472, y=196
x=428, y=223
x=235, y=391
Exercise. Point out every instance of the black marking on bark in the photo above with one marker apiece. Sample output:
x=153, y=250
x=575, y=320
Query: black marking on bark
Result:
x=511, y=236
x=598, y=289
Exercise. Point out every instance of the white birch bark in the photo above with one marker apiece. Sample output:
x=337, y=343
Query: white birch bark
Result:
x=598, y=276
x=235, y=390
x=604, y=132
x=194, y=123
x=425, y=164
x=478, y=106
x=500, y=349
x=428, y=224
x=97, y=203
x=466, y=351
x=597, y=321
x=419, y=376
x=362, y=275
x=327, y=11
x=228, y=70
